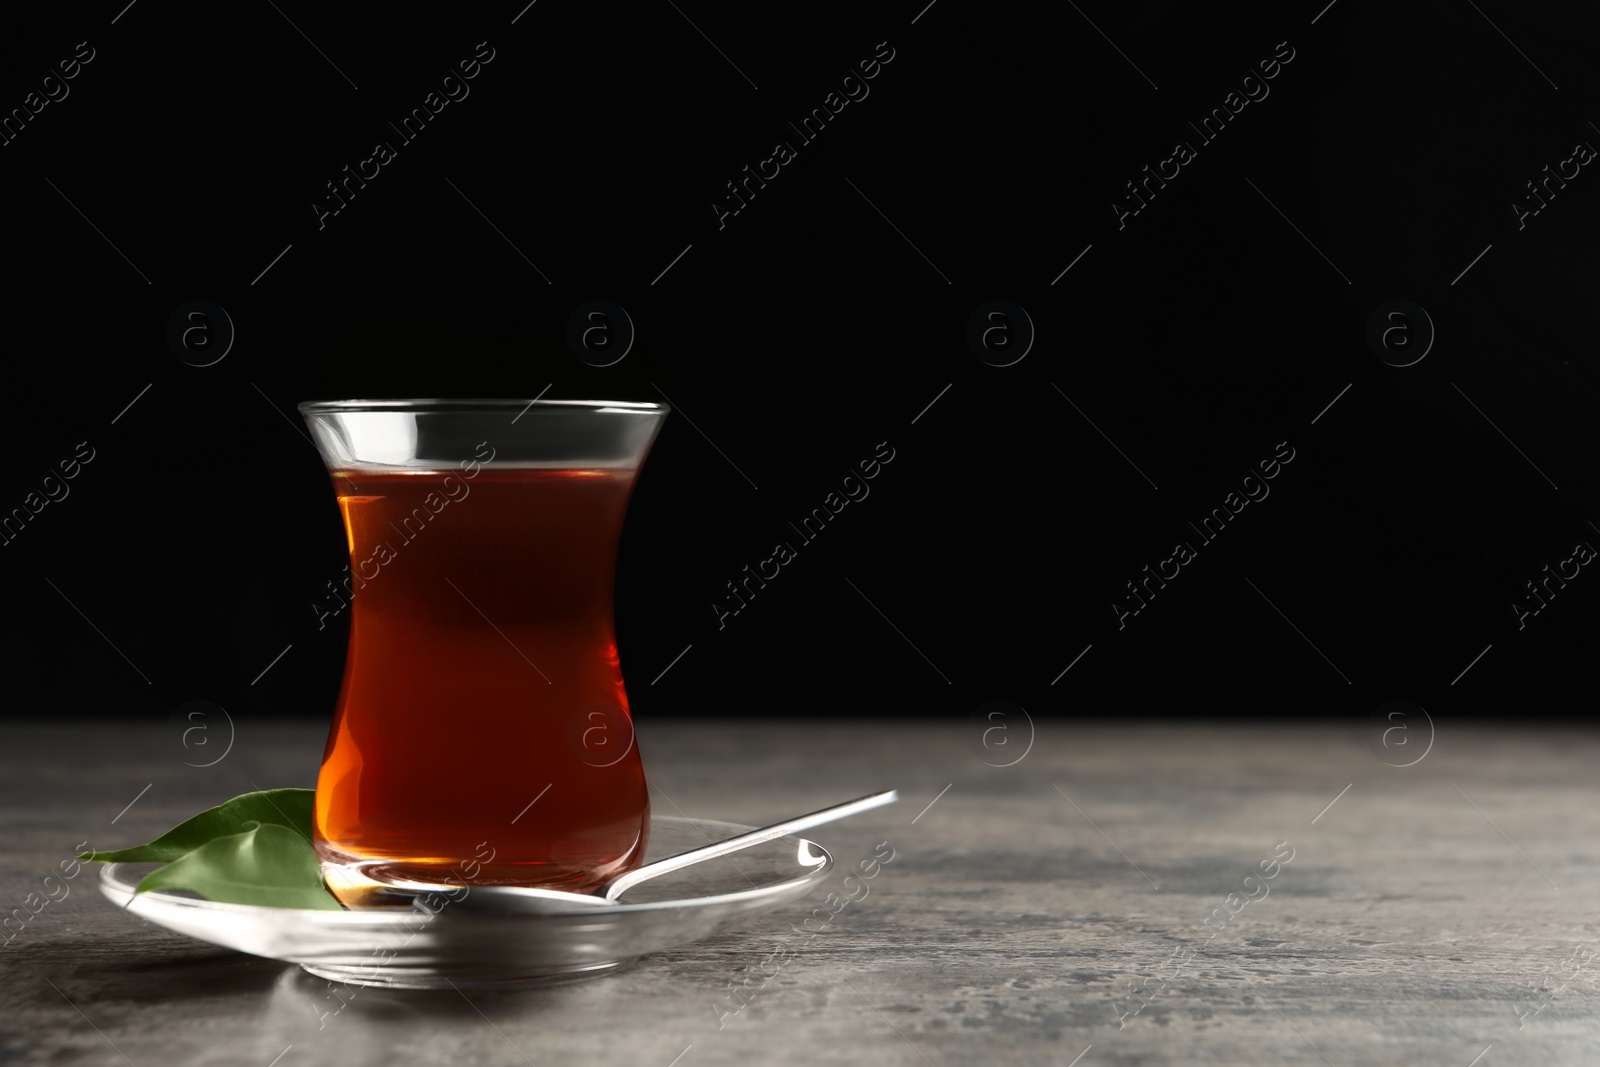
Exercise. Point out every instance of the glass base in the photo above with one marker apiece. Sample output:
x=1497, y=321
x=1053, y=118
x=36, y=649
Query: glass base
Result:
x=393, y=977
x=358, y=882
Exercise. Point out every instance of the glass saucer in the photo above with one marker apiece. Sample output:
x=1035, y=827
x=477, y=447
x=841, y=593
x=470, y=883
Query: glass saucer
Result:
x=403, y=947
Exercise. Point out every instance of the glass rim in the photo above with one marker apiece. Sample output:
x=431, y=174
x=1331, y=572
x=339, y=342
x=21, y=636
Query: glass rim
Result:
x=441, y=405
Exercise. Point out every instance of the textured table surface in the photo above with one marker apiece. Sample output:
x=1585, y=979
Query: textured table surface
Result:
x=1036, y=913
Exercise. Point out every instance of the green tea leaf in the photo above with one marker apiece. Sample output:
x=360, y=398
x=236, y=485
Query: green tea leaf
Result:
x=289, y=808
x=267, y=864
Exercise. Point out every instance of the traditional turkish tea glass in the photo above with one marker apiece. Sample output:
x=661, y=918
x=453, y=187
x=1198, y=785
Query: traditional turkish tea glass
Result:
x=482, y=733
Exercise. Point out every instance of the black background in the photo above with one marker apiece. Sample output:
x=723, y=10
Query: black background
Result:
x=822, y=319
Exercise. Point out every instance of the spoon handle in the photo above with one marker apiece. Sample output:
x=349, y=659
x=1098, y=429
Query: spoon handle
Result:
x=622, y=883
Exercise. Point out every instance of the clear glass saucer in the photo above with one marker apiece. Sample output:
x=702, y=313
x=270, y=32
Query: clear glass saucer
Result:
x=402, y=947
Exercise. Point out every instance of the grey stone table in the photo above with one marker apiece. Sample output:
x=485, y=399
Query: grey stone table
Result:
x=1052, y=911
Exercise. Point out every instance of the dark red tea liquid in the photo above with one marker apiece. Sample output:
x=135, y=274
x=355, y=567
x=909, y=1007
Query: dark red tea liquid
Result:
x=483, y=731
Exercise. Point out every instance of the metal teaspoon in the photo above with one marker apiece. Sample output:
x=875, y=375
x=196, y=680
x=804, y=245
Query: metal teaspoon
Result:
x=524, y=899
